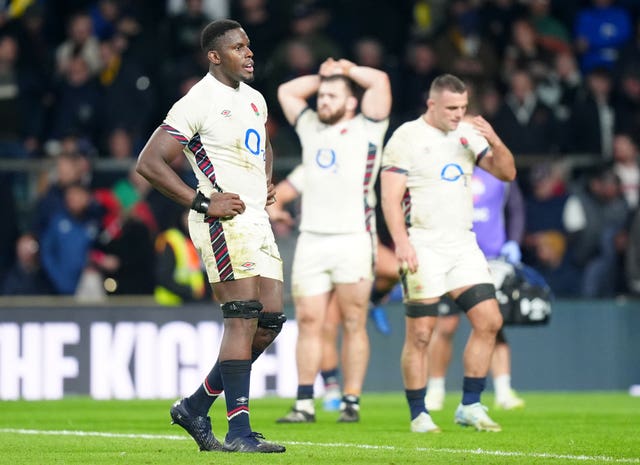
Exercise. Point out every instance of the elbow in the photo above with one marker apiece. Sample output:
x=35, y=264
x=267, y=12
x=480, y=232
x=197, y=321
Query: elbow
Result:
x=511, y=174
x=142, y=167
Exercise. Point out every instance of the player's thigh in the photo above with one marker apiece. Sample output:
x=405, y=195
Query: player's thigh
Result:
x=469, y=267
x=311, y=269
x=429, y=280
x=354, y=257
x=232, y=251
x=271, y=295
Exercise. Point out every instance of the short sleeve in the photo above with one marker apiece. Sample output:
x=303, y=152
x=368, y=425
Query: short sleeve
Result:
x=187, y=115
x=395, y=156
x=474, y=141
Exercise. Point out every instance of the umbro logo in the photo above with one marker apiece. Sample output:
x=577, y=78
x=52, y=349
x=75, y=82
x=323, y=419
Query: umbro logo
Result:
x=226, y=113
x=242, y=400
x=248, y=266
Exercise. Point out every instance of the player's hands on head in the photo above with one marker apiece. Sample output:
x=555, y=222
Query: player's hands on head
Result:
x=225, y=205
x=329, y=67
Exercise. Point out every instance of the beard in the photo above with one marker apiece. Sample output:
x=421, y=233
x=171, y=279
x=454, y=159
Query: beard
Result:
x=328, y=117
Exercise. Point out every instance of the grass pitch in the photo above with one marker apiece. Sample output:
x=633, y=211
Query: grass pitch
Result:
x=554, y=428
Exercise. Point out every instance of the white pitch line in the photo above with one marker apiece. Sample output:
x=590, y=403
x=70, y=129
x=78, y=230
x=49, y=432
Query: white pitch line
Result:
x=442, y=450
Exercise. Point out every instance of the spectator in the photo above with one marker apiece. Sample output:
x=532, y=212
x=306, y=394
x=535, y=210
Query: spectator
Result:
x=178, y=272
x=528, y=125
x=68, y=239
x=70, y=168
x=265, y=22
x=545, y=242
x=559, y=88
x=80, y=42
x=420, y=68
x=468, y=53
x=104, y=16
x=600, y=32
x=626, y=101
x=496, y=18
x=307, y=29
x=525, y=52
x=554, y=263
x=626, y=165
x=127, y=93
x=595, y=217
x=126, y=244
x=77, y=103
x=592, y=117
x=213, y=9
x=20, y=104
x=181, y=31
x=26, y=277
x=553, y=35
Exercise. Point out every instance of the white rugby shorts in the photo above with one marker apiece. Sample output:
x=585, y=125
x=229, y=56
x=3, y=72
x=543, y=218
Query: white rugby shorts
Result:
x=320, y=260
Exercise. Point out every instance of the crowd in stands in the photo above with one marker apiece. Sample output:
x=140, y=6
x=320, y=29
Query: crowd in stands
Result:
x=84, y=80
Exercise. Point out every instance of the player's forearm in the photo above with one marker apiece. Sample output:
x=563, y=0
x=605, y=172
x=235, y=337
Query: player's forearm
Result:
x=299, y=88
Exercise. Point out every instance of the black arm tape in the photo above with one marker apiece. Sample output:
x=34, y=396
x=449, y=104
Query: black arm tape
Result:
x=474, y=295
x=246, y=309
x=272, y=321
x=200, y=203
x=418, y=310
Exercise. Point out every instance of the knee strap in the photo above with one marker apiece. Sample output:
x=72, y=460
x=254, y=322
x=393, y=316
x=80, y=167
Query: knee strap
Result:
x=474, y=295
x=246, y=309
x=272, y=321
x=418, y=310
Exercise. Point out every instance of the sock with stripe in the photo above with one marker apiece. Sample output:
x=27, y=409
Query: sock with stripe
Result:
x=236, y=375
x=330, y=378
x=200, y=402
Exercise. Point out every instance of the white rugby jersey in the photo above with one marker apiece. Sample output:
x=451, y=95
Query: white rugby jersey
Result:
x=223, y=131
x=340, y=165
x=438, y=166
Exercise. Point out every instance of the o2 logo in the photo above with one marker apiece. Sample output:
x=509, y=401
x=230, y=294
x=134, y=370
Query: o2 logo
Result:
x=326, y=158
x=252, y=142
x=451, y=172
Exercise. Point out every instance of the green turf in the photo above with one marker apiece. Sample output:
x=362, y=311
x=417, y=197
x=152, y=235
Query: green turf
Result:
x=558, y=428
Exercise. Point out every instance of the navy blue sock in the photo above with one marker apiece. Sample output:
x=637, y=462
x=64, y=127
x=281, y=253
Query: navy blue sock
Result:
x=415, y=398
x=305, y=391
x=330, y=377
x=236, y=375
x=471, y=389
x=200, y=402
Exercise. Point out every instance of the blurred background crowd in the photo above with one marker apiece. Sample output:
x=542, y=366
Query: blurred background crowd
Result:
x=83, y=83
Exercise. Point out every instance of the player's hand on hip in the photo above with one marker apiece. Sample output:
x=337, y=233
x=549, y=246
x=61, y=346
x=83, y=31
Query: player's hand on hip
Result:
x=271, y=194
x=226, y=205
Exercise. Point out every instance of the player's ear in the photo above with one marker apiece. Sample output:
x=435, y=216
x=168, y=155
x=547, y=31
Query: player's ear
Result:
x=352, y=103
x=213, y=57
